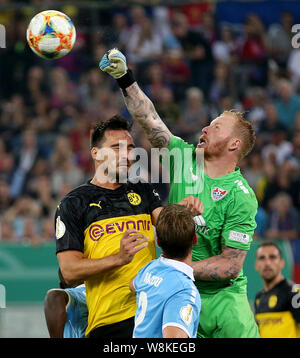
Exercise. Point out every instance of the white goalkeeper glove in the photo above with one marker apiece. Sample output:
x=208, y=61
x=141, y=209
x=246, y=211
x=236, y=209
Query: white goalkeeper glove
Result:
x=114, y=63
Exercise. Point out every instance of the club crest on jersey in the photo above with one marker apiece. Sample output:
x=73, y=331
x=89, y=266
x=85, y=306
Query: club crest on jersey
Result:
x=218, y=193
x=134, y=198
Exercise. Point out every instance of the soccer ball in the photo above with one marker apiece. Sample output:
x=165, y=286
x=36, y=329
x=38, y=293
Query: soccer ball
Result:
x=51, y=34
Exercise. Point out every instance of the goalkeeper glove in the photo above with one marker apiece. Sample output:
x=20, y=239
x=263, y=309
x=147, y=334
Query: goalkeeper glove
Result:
x=114, y=63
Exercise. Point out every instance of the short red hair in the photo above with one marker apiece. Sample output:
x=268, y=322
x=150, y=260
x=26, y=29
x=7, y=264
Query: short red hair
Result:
x=243, y=130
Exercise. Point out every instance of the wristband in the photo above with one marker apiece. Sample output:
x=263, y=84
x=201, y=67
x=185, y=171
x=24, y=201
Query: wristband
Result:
x=126, y=81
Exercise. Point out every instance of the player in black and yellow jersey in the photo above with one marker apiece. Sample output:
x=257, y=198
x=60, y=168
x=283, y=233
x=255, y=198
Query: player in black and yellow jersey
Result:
x=277, y=306
x=104, y=232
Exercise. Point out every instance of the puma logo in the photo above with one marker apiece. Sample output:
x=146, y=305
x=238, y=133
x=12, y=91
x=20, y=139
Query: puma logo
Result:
x=94, y=204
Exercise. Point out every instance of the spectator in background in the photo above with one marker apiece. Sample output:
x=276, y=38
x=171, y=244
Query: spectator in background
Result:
x=194, y=12
x=137, y=15
x=64, y=169
x=66, y=172
x=144, y=45
x=6, y=199
x=281, y=182
x=26, y=156
x=119, y=32
x=47, y=231
x=261, y=219
x=256, y=99
x=294, y=158
x=92, y=83
x=279, y=38
x=24, y=216
x=269, y=173
x=278, y=148
x=297, y=123
x=194, y=114
x=12, y=118
x=254, y=52
x=270, y=122
x=293, y=69
x=7, y=233
x=287, y=104
x=176, y=71
x=168, y=109
x=6, y=161
x=221, y=82
x=196, y=50
x=40, y=168
x=208, y=27
x=254, y=170
x=161, y=21
x=36, y=85
x=254, y=45
x=79, y=140
x=62, y=150
x=226, y=45
x=284, y=219
x=40, y=189
x=225, y=103
x=63, y=91
x=155, y=81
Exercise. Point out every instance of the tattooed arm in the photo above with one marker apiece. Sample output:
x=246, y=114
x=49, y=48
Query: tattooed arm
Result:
x=225, y=266
x=139, y=105
x=142, y=110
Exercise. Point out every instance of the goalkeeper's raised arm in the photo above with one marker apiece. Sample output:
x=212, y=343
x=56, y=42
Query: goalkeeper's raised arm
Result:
x=139, y=105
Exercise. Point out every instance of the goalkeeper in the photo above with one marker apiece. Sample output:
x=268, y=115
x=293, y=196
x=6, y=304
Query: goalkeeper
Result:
x=227, y=223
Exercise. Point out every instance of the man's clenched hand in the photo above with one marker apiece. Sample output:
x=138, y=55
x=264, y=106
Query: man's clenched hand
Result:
x=114, y=63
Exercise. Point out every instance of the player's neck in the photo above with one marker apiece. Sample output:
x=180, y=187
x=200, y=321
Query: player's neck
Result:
x=268, y=285
x=105, y=184
x=187, y=260
x=219, y=167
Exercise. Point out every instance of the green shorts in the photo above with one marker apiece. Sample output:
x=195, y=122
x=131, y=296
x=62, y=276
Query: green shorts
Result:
x=226, y=314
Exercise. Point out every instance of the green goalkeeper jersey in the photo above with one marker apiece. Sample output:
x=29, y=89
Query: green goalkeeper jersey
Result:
x=230, y=208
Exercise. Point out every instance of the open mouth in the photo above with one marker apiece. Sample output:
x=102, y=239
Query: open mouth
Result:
x=202, y=142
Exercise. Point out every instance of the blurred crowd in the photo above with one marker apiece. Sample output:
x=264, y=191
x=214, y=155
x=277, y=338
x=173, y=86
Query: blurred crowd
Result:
x=191, y=66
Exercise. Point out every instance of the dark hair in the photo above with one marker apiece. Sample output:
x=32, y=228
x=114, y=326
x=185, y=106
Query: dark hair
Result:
x=270, y=243
x=175, y=230
x=115, y=123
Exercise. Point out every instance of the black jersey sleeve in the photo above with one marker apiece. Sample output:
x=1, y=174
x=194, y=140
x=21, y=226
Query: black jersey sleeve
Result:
x=153, y=197
x=69, y=229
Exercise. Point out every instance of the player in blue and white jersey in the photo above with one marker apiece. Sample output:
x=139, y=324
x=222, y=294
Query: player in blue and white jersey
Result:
x=66, y=311
x=168, y=302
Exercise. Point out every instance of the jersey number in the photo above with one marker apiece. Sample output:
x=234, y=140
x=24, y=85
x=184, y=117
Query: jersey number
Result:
x=143, y=303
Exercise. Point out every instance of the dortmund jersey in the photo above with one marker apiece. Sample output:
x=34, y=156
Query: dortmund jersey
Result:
x=278, y=311
x=93, y=220
x=230, y=208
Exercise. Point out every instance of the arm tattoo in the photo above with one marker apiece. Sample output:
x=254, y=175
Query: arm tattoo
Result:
x=225, y=266
x=142, y=110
